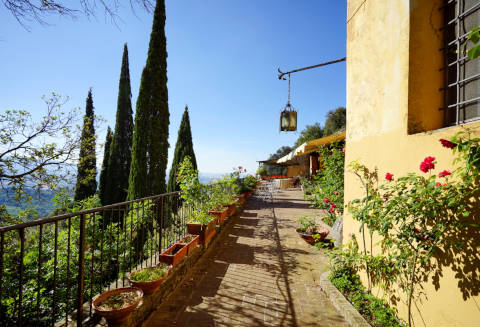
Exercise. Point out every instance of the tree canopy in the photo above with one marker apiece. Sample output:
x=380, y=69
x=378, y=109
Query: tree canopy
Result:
x=183, y=148
x=38, y=152
x=105, y=172
x=35, y=10
x=311, y=132
x=336, y=121
x=150, y=134
x=87, y=163
x=120, y=156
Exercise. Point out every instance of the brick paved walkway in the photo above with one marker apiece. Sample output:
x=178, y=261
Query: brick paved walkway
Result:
x=260, y=274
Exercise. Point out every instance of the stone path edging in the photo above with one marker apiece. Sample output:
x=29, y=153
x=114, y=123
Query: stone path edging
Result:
x=350, y=314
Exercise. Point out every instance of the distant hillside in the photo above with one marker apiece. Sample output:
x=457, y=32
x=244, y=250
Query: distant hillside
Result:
x=41, y=201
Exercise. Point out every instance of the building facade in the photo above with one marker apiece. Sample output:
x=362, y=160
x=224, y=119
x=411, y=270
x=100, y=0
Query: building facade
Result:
x=410, y=84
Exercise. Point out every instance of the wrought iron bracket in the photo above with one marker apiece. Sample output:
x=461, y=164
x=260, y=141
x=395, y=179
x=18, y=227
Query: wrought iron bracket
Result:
x=281, y=74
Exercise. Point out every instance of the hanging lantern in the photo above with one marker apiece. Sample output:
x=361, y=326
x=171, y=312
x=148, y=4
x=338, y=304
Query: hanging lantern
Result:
x=288, y=117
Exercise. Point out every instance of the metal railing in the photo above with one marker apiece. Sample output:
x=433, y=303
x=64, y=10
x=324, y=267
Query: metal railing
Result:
x=51, y=268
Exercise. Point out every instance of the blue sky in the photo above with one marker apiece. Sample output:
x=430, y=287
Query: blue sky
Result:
x=222, y=62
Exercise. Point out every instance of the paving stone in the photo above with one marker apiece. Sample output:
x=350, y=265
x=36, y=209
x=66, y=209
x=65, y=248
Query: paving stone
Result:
x=261, y=274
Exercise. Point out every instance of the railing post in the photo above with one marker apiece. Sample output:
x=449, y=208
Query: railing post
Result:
x=81, y=271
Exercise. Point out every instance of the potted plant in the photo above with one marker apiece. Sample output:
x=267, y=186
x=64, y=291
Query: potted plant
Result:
x=202, y=224
x=197, y=197
x=222, y=193
x=149, y=279
x=220, y=213
x=249, y=183
x=116, y=305
x=310, y=231
x=190, y=241
x=174, y=254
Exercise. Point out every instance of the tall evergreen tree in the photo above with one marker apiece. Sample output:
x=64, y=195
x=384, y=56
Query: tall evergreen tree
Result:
x=87, y=166
x=183, y=148
x=104, y=173
x=121, y=150
x=150, y=135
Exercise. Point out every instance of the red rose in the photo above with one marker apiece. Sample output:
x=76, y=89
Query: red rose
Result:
x=326, y=200
x=447, y=144
x=438, y=184
x=429, y=159
x=444, y=173
x=427, y=164
x=343, y=149
x=331, y=210
x=335, y=193
x=333, y=205
x=388, y=176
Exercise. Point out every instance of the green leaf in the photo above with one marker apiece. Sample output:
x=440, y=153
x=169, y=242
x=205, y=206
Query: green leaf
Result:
x=474, y=35
x=474, y=52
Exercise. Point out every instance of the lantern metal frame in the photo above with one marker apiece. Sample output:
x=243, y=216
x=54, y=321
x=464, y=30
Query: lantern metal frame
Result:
x=288, y=116
x=289, y=113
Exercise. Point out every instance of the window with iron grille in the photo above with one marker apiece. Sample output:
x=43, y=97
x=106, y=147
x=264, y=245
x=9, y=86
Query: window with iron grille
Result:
x=462, y=76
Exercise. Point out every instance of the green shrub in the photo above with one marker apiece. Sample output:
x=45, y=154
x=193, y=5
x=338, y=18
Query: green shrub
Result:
x=376, y=311
x=150, y=274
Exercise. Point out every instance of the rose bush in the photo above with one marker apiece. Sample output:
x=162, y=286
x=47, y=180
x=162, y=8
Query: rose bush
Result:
x=417, y=217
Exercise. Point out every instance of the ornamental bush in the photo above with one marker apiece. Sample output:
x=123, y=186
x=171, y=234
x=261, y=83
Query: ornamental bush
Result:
x=421, y=218
x=327, y=188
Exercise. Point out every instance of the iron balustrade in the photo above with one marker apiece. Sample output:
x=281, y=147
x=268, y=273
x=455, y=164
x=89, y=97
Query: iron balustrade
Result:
x=51, y=268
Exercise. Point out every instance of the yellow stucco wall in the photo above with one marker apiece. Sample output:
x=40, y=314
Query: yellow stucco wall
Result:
x=392, y=85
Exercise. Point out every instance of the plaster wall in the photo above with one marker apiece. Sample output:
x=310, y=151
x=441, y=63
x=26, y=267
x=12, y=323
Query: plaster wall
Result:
x=393, y=123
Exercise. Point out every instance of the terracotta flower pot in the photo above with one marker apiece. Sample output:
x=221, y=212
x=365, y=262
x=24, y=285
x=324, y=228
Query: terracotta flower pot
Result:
x=174, y=254
x=245, y=195
x=321, y=232
x=147, y=287
x=241, y=198
x=220, y=215
x=230, y=209
x=192, y=244
x=203, y=230
x=117, y=316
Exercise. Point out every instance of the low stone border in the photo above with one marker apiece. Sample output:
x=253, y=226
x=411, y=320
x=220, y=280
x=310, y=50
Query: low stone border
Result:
x=345, y=308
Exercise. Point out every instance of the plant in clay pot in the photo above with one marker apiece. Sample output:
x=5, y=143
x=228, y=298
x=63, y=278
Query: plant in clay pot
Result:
x=197, y=197
x=190, y=241
x=149, y=279
x=117, y=305
x=203, y=224
x=174, y=254
x=222, y=194
x=310, y=231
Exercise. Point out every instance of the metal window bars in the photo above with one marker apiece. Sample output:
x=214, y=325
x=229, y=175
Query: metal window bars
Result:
x=51, y=268
x=462, y=76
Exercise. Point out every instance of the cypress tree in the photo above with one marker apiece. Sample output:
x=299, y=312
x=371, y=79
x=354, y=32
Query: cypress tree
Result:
x=183, y=148
x=105, y=167
x=150, y=135
x=87, y=166
x=121, y=149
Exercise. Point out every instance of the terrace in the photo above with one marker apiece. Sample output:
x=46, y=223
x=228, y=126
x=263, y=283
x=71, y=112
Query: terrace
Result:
x=256, y=270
